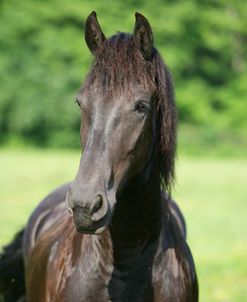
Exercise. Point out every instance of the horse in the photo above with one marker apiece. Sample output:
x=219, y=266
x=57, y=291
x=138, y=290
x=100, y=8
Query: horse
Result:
x=114, y=233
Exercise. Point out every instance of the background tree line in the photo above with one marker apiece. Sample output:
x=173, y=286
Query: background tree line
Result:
x=44, y=59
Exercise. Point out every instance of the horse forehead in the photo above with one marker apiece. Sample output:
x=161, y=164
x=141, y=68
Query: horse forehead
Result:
x=121, y=94
x=112, y=87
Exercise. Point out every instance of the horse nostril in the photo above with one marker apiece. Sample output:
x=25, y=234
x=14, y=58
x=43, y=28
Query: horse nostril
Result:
x=99, y=209
x=97, y=205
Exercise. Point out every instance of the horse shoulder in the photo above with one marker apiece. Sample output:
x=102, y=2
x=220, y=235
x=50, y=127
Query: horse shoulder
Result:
x=40, y=240
x=174, y=276
x=45, y=214
x=51, y=261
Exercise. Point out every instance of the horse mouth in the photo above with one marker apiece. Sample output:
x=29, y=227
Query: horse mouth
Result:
x=85, y=225
x=91, y=231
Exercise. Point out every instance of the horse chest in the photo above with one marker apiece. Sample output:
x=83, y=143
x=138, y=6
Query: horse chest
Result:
x=82, y=280
x=94, y=287
x=91, y=282
x=88, y=287
x=130, y=291
x=91, y=285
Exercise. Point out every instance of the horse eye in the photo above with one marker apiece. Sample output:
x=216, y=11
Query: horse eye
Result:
x=141, y=106
x=78, y=102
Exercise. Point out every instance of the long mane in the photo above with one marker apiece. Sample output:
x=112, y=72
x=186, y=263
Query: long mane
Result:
x=167, y=120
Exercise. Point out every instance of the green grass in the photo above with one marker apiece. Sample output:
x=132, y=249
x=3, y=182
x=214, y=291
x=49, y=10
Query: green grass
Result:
x=213, y=195
x=211, y=192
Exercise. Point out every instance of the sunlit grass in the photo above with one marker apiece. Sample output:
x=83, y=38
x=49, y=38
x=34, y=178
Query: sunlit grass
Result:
x=212, y=194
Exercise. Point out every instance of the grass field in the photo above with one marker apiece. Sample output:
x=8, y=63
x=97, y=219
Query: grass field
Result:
x=211, y=192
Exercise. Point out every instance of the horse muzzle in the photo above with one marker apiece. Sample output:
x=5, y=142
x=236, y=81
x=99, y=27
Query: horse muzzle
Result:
x=89, y=217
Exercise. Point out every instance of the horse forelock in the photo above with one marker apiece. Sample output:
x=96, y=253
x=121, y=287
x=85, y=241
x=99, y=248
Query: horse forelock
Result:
x=118, y=67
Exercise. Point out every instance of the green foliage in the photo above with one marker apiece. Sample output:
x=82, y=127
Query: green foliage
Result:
x=44, y=59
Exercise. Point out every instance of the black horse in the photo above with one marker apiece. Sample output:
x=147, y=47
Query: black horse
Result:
x=121, y=192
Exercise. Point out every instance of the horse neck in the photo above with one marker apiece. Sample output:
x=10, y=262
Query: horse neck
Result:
x=137, y=216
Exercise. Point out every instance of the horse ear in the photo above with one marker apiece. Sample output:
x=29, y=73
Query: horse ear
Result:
x=93, y=34
x=143, y=36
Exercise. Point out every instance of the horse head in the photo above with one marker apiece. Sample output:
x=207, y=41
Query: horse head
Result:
x=128, y=122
